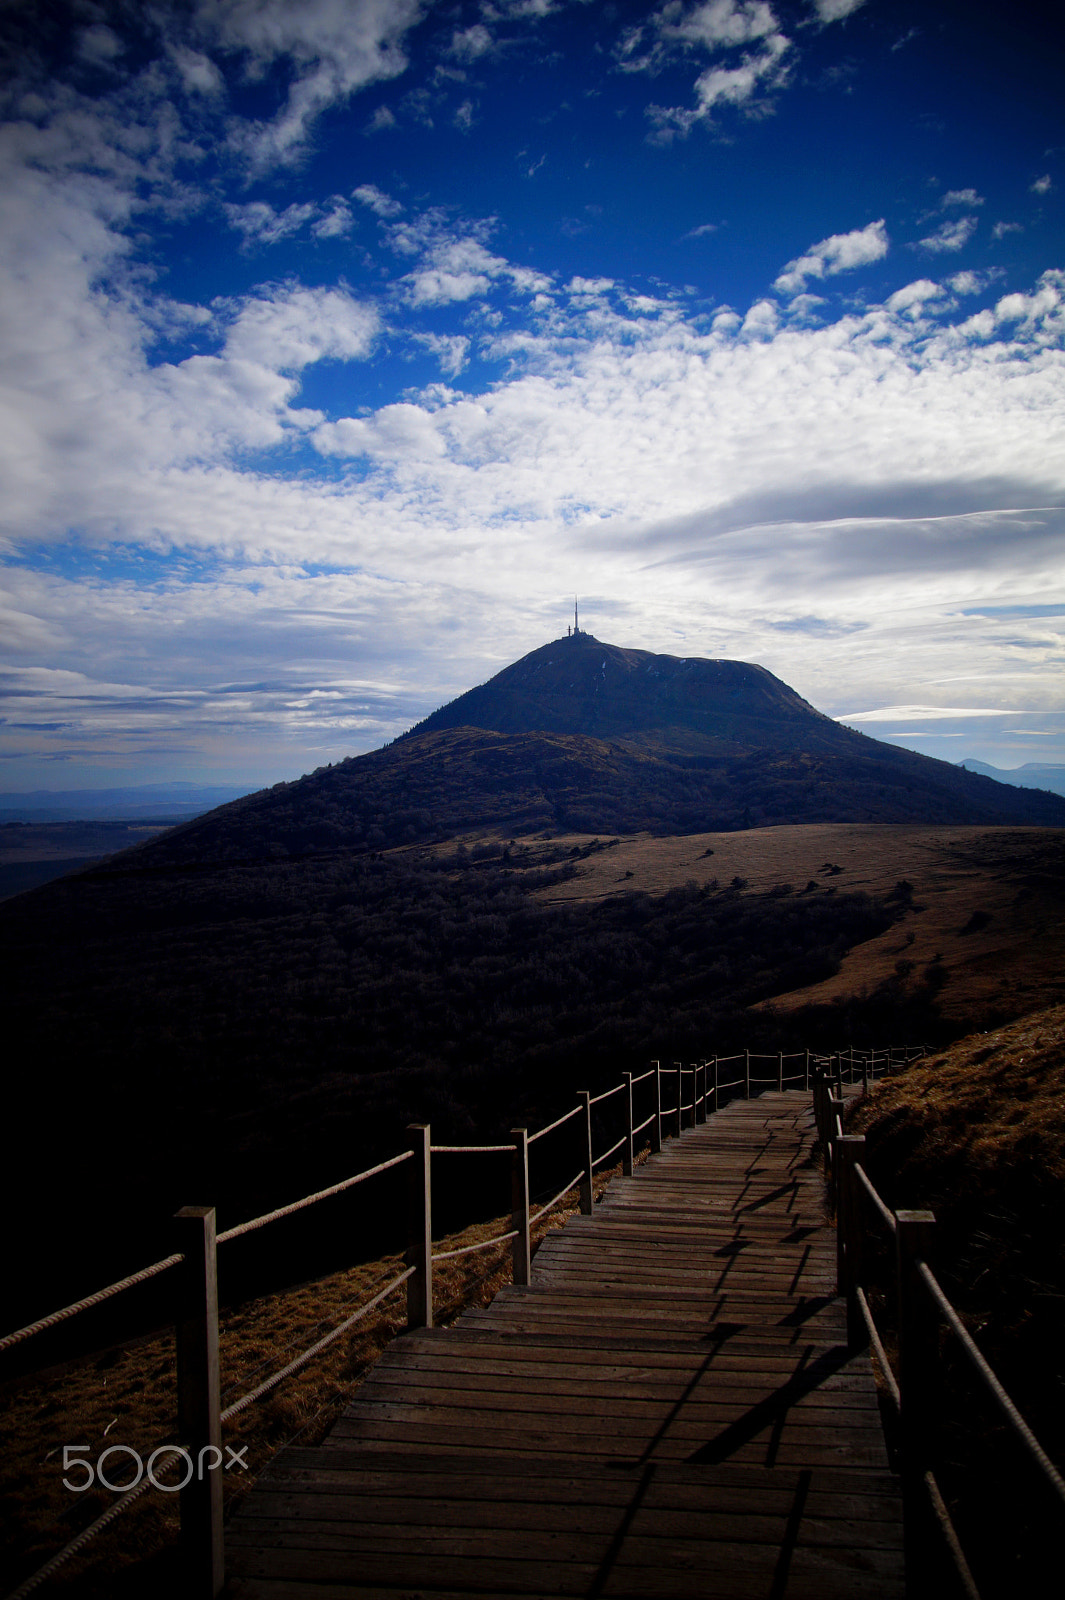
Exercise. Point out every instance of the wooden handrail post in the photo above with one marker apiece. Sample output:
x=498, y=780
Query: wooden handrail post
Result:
x=584, y=1125
x=780, y=1074
x=717, y=1098
x=656, y=1124
x=627, y=1151
x=747, y=1056
x=519, y=1205
x=419, y=1228
x=835, y=1109
x=850, y=1234
x=918, y=1386
x=807, y=1085
x=700, y=1085
x=865, y=1072
x=679, y=1069
x=199, y=1406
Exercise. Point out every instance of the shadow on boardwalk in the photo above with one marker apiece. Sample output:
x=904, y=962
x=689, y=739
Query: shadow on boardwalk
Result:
x=669, y=1409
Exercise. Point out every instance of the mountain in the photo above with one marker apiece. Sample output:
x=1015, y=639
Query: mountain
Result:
x=587, y=737
x=1033, y=775
x=143, y=802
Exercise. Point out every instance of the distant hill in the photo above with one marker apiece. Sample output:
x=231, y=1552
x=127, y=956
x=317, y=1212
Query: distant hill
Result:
x=143, y=802
x=1033, y=775
x=587, y=736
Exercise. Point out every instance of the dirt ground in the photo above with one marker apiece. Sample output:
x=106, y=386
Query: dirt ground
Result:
x=987, y=903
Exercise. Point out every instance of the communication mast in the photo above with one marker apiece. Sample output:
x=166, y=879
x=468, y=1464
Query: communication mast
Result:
x=573, y=633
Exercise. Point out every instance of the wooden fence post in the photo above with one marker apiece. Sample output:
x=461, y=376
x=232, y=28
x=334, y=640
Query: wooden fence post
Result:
x=519, y=1204
x=656, y=1124
x=850, y=1234
x=918, y=1386
x=680, y=1097
x=717, y=1099
x=865, y=1072
x=584, y=1125
x=780, y=1073
x=807, y=1084
x=627, y=1151
x=700, y=1084
x=199, y=1407
x=419, y=1228
x=747, y=1056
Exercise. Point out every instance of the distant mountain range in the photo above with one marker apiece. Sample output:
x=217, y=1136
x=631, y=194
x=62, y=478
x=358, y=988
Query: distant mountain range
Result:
x=139, y=802
x=1033, y=775
x=587, y=737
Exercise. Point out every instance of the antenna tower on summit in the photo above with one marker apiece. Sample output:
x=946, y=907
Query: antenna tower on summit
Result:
x=572, y=633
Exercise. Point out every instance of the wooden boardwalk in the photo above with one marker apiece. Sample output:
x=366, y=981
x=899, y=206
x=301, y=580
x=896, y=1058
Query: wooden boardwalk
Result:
x=668, y=1410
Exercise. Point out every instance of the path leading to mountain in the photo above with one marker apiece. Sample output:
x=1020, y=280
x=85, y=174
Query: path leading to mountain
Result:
x=668, y=1410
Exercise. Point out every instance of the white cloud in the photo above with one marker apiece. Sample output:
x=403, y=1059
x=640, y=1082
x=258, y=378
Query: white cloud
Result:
x=198, y=72
x=381, y=204
x=712, y=23
x=259, y=222
x=924, y=713
x=835, y=10
x=960, y=197
x=749, y=56
x=336, y=222
x=99, y=45
x=1042, y=185
x=912, y=297
x=469, y=43
x=841, y=252
x=334, y=49
x=949, y=236
x=1001, y=229
x=295, y=327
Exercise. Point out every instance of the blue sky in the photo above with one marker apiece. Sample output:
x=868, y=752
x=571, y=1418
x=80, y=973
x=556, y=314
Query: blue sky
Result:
x=343, y=341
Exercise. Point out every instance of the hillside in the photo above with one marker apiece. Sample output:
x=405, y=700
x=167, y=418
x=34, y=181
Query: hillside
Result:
x=587, y=737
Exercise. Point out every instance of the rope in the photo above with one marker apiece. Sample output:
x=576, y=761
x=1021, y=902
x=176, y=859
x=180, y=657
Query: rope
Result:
x=561, y=1195
x=947, y=1529
x=551, y=1126
x=301, y=1361
x=483, y=1244
x=648, y=1074
x=879, y=1351
x=645, y=1124
x=310, y=1199
x=885, y=1211
x=91, y=1300
x=618, y=1087
x=997, y=1392
x=471, y=1149
x=614, y=1148
x=53, y=1564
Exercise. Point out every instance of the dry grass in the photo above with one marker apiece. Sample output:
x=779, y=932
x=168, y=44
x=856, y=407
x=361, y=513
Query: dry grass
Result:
x=128, y=1396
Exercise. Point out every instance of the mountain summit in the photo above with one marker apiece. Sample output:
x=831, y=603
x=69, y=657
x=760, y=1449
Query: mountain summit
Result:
x=582, y=736
x=579, y=685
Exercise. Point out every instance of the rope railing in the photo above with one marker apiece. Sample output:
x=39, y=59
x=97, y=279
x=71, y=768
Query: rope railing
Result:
x=985, y=1372
x=606, y=1094
x=922, y=1304
x=551, y=1126
x=471, y=1149
x=480, y=1244
x=538, y=1216
x=614, y=1148
x=316, y=1348
x=56, y=1317
x=310, y=1199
